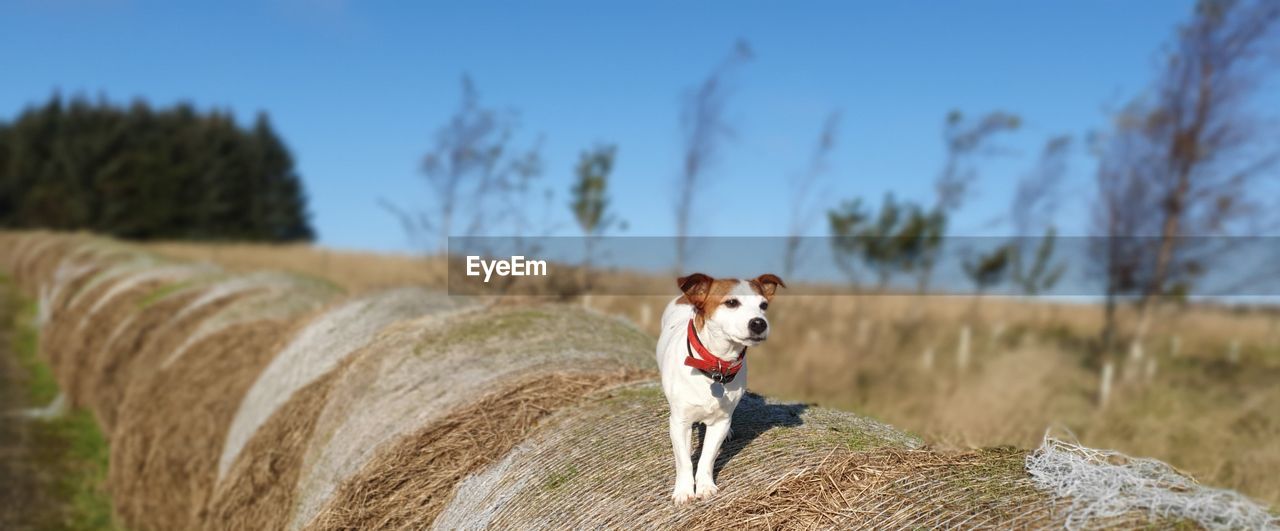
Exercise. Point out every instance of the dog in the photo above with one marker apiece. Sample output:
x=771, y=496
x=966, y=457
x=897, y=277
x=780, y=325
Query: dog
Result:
x=702, y=356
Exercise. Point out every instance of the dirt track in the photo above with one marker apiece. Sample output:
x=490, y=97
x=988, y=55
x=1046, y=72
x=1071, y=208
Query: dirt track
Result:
x=24, y=489
x=34, y=455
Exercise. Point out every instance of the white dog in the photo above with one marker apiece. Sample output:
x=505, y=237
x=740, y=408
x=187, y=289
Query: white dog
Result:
x=702, y=355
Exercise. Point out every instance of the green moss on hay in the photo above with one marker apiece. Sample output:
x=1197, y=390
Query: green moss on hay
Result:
x=502, y=325
x=559, y=478
x=575, y=329
x=163, y=291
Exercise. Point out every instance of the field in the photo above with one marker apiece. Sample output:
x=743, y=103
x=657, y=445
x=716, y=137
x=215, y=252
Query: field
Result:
x=1201, y=393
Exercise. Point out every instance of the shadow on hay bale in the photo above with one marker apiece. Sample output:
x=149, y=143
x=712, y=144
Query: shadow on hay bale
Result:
x=607, y=463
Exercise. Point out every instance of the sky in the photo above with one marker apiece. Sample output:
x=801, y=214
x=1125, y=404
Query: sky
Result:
x=357, y=89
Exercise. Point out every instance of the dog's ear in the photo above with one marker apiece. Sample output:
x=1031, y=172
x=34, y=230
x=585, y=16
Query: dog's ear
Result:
x=767, y=284
x=695, y=287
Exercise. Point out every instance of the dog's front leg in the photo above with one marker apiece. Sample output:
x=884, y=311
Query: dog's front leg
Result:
x=681, y=445
x=715, y=435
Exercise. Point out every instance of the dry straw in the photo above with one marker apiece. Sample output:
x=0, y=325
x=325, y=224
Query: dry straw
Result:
x=173, y=421
x=1101, y=484
x=607, y=463
x=420, y=372
x=323, y=343
x=264, y=401
x=407, y=484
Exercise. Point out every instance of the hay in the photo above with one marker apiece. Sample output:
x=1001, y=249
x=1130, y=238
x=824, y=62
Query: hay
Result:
x=322, y=344
x=36, y=256
x=258, y=490
x=267, y=295
x=50, y=294
x=171, y=425
x=1102, y=484
x=608, y=464
x=126, y=354
x=173, y=419
x=90, y=340
x=59, y=337
x=407, y=484
x=227, y=409
x=85, y=343
x=903, y=489
x=419, y=373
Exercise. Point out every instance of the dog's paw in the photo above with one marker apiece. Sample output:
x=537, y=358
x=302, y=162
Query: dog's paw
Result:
x=707, y=489
x=683, y=494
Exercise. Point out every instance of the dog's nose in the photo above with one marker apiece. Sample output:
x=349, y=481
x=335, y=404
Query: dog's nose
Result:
x=757, y=325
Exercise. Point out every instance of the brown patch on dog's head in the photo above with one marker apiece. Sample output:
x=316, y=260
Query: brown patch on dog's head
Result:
x=705, y=293
x=695, y=287
x=766, y=285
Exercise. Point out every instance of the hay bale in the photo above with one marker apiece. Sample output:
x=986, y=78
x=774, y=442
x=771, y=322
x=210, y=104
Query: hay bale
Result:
x=322, y=344
x=259, y=489
x=268, y=295
x=133, y=356
x=406, y=485
x=419, y=373
x=902, y=489
x=50, y=294
x=172, y=423
x=114, y=367
x=608, y=463
x=169, y=429
x=59, y=337
x=99, y=322
x=1102, y=485
x=36, y=255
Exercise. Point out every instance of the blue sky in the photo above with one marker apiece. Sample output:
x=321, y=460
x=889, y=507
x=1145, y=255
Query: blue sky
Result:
x=357, y=88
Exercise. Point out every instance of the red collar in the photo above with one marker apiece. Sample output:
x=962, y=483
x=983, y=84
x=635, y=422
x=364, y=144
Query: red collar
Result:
x=709, y=364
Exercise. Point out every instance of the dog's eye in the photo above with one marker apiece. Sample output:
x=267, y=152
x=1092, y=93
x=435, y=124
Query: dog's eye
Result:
x=764, y=306
x=732, y=303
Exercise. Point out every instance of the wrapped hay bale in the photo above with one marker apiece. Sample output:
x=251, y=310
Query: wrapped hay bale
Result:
x=904, y=489
x=419, y=381
x=97, y=323
x=1099, y=486
x=76, y=287
x=159, y=322
x=259, y=488
x=33, y=256
x=407, y=483
x=323, y=343
x=173, y=419
x=68, y=276
x=608, y=463
x=272, y=297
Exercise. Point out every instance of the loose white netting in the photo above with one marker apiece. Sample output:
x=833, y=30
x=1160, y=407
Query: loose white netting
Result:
x=1102, y=484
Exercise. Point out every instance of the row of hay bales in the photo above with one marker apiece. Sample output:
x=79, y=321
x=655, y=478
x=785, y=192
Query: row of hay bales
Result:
x=272, y=401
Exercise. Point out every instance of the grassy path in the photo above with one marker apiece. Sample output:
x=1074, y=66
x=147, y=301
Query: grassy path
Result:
x=51, y=471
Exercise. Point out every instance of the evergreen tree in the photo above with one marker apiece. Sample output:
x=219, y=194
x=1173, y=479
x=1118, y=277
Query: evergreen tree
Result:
x=143, y=173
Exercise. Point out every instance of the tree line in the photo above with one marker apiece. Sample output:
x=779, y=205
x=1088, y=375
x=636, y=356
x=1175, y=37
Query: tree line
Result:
x=149, y=173
x=1185, y=157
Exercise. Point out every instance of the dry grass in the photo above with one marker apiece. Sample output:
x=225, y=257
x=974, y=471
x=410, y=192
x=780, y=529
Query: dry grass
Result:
x=169, y=434
x=354, y=272
x=408, y=484
x=263, y=479
x=1199, y=409
x=904, y=489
